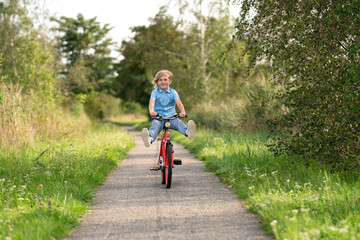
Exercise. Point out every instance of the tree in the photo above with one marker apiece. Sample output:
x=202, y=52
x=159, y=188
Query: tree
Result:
x=313, y=47
x=86, y=40
x=158, y=46
x=209, y=35
x=27, y=59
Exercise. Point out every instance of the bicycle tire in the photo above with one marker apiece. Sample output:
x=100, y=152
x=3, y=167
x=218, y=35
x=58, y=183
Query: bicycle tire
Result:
x=168, y=168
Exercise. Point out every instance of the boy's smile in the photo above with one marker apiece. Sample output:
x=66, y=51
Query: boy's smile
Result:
x=164, y=82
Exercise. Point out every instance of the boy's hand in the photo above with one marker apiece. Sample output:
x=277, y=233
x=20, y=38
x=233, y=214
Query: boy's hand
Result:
x=182, y=114
x=153, y=114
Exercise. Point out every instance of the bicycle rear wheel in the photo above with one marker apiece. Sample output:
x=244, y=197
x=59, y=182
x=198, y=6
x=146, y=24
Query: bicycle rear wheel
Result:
x=168, y=165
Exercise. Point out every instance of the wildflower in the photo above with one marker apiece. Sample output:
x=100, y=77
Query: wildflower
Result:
x=273, y=223
x=49, y=200
x=41, y=185
x=305, y=209
x=274, y=172
x=315, y=231
x=40, y=198
x=36, y=199
x=288, y=180
x=40, y=206
x=263, y=175
x=309, y=183
x=295, y=211
x=343, y=230
x=251, y=187
x=65, y=181
x=332, y=228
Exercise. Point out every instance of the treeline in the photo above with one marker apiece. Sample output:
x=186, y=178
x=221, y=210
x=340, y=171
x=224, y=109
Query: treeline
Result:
x=49, y=78
x=210, y=67
x=29, y=66
x=290, y=68
x=69, y=70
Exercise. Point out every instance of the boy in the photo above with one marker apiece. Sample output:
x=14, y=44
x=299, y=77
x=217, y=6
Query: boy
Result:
x=162, y=102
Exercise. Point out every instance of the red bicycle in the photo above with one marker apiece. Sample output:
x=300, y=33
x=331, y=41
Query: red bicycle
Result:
x=166, y=161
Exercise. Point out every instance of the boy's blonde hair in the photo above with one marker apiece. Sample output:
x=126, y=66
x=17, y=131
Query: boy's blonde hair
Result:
x=159, y=74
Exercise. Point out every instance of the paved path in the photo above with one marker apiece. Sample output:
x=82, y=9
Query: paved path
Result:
x=133, y=204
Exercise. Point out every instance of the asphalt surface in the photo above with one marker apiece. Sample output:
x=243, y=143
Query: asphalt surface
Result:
x=133, y=204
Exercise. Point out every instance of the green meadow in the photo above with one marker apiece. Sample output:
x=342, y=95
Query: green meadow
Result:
x=47, y=188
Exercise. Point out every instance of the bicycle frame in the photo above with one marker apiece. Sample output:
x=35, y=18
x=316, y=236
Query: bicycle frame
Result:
x=166, y=159
x=166, y=162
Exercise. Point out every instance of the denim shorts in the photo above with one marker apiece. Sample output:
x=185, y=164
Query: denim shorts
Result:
x=157, y=126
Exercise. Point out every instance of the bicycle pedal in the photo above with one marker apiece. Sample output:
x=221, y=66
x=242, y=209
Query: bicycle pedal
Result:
x=177, y=162
x=154, y=169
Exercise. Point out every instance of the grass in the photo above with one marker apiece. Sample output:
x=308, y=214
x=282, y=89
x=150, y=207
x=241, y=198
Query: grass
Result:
x=45, y=189
x=292, y=200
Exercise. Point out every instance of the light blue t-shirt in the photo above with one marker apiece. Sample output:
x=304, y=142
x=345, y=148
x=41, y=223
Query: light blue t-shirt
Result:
x=164, y=101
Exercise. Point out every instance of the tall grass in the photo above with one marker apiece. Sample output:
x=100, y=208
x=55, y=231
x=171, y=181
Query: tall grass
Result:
x=294, y=201
x=26, y=118
x=46, y=188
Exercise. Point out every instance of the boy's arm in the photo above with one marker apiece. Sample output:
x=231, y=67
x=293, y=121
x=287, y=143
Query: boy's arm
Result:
x=181, y=107
x=151, y=107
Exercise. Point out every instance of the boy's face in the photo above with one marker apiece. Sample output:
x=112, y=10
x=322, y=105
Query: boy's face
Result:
x=164, y=82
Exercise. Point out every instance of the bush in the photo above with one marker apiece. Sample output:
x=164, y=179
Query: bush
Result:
x=233, y=117
x=99, y=105
x=247, y=115
x=314, y=50
x=133, y=107
x=94, y=106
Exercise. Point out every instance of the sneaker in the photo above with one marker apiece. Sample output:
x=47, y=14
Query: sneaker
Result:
x=191, y=129
x=145, y=137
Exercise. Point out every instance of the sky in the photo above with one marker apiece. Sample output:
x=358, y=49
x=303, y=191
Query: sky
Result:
x=120, y=14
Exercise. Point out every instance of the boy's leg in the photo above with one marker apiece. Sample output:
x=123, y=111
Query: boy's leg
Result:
x=178, y=125
x=188, y=131
x=155, y=129
x=149, y=136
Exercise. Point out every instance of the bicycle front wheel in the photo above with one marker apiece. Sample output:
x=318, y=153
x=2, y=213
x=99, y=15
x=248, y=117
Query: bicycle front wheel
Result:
x=168, y=165
x=163, y=176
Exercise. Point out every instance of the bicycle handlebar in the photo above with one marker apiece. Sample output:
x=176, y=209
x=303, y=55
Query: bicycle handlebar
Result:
x=169, y=118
